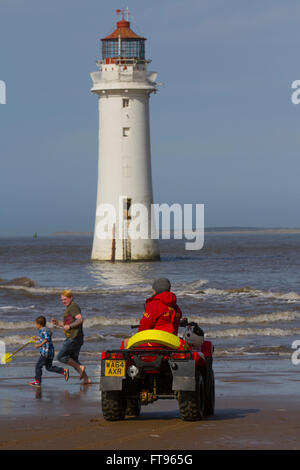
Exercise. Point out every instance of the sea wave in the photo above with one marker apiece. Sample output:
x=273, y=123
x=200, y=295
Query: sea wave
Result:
x=259, y=352
x=239, y=332
x=216, y=334
x=109, y=321
x=238, y=319
x=249, y=292
x=195, y=289
x=23, y=339
x=102, y=321
x=88, y=323
x=7, y=308
x=18, y=282
x=17, y=325
x=37, y=291
x=253, y=351
x=20, y=339
x=192, y=287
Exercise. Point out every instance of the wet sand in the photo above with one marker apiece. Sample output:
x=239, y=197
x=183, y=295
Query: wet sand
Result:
x=255, y=409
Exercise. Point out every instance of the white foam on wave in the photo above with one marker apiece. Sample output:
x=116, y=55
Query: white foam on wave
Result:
x=239, y=332
x=16, y=325
x=290, y=296
x=180, y=288
x=250, y=351
x=109, y=321
x=219, y=352
x=20, y=339
x=238, y=319
x=192, y=287
x=90, y=322
x=80, y=291
x=33, y=290
x=23, y=339
x=247, y=292
x=14, y=307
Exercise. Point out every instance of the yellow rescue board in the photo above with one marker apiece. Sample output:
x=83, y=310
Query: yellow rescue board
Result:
x=155, y=336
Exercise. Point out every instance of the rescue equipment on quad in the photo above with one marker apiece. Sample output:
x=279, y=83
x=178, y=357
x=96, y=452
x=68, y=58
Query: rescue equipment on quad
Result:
x=156, y=336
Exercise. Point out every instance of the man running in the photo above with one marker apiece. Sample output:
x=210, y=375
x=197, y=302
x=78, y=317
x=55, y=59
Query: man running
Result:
x=72, y=325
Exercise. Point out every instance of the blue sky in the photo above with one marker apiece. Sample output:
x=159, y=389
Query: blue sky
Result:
x=224, y=130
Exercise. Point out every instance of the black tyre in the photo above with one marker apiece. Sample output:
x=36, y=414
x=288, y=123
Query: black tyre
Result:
x=209, y=405
x=191, y=404
x=133, y=407
x=113, y=406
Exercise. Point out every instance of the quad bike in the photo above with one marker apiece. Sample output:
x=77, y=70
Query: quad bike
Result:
x=147, y=372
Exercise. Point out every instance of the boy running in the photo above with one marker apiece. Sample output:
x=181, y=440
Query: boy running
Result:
x=46, y=353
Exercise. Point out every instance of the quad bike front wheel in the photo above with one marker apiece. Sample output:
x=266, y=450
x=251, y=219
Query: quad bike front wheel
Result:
x=209, y=407
x=191, y=404
x=113, y=406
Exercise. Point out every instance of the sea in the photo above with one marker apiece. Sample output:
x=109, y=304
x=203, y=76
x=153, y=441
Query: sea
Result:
x=242, y=288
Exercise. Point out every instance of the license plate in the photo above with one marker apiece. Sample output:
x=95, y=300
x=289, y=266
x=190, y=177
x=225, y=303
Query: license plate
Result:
x=115, y=368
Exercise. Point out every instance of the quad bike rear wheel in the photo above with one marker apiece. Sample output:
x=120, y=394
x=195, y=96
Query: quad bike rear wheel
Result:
x=133, y=407
x=191, y=404
x=113, y=406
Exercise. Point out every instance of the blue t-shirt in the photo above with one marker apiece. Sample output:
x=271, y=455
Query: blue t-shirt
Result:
x=47, y=350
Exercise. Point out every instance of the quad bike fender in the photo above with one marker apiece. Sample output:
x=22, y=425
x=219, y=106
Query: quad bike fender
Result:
x=207, y=348
x=183, y=376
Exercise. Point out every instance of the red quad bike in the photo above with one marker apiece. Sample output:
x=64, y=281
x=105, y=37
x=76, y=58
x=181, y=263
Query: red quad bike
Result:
x=134, y=377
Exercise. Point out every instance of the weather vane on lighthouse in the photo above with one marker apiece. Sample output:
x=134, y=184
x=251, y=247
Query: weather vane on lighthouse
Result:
x=124, y=224
x=123, y=12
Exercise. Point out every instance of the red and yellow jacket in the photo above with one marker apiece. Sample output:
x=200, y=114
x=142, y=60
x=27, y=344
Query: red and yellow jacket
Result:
x=161, y=313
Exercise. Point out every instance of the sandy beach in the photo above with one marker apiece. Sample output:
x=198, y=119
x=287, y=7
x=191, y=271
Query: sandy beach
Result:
x=254, y=410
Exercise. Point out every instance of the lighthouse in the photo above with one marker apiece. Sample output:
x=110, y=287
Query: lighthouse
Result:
x=124, y=215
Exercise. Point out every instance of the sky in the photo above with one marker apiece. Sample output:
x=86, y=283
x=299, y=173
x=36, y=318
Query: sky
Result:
x=224, y=131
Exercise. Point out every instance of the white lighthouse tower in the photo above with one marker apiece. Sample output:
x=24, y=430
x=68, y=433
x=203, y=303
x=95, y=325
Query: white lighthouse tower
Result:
x=124, y=86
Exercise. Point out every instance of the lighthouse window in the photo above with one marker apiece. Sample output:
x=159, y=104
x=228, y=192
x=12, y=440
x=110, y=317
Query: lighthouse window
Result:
x=126, y=131
x=126, y=207
x=125, y=102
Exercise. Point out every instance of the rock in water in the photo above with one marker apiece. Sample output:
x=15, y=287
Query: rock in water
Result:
x=19, y=281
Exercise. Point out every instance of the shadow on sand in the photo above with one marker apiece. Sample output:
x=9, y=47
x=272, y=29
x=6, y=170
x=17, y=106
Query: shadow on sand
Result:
x=232, y=413
x=220, y=415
